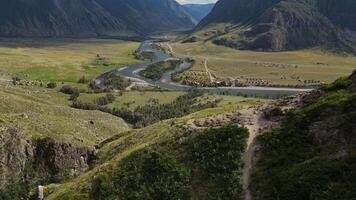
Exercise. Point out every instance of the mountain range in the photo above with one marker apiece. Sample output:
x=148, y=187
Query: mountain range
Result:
x=58, y=18
x=277, y=25
x=199, y=11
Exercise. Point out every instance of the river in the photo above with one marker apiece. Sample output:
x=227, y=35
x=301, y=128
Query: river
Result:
x=131, y=72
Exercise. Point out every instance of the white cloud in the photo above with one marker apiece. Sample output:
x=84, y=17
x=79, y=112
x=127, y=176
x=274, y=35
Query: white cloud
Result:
x=196, y=1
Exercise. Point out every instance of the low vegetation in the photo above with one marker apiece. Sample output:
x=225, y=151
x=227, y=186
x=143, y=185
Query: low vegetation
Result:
x=156, y=70
x=312, y=156
x=173, y=165
x=153, y=112
x=72, y=91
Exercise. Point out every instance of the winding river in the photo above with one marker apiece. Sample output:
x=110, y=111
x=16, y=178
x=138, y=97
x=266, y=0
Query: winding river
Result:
x=131, y=72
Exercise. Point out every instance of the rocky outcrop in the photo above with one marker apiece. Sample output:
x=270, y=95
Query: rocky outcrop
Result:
x=39, y=161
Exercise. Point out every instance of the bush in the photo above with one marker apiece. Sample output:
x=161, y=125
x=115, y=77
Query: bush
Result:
x=107, y=99
x=151, y=175
x=102, y=187
x=84, y=105
x=73, y=91
x=339, y=84
x=83, y=80
x=52, y=85
x=218, y=154
x=117, y=83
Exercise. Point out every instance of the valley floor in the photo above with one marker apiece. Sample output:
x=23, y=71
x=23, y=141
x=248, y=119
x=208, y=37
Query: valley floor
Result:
x=305, y=68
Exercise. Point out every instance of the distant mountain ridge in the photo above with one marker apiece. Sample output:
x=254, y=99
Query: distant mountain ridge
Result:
x=198, y=11
x=277, y=25
x=57, y=18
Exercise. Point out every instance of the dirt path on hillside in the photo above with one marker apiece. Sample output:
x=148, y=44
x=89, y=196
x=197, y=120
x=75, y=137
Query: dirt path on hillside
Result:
x=253, y=127
x=256, y=124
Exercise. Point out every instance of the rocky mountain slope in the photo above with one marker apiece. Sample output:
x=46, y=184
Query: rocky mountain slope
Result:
x=53, y=18
x=43, y=140
x=198, y=11
x=312, y=155
x=276, y=25
x=149, y=16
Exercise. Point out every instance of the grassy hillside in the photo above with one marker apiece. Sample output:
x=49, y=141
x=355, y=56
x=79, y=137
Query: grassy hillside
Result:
x=312, y=156
x=46, y=113
x=43, y=140
x=175, y=153
x=63, y=59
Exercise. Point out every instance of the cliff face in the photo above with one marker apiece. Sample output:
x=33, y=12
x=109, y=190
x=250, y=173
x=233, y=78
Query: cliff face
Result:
x=58, y=18
x=30, y=162
x=276, y=25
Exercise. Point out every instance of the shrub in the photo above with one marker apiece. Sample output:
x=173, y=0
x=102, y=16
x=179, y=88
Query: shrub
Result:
x=151, y=175
x=102, y=187
x=73, y=91
x=117, y=83
x=218, y=154
x=84, y=105
x=108, y=98
x=83, y=80
x=341, y=83
x=52, y=85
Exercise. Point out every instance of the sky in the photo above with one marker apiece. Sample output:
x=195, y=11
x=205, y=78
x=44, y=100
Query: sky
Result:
x=196, y=1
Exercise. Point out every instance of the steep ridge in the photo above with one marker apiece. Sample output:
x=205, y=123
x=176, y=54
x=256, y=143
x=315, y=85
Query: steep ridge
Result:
x=149, y=16
x=312, y=155
x=276, y=25
x=62, y=18
x=55, y=18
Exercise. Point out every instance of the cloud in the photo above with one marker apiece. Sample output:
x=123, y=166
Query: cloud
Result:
x=196, y=1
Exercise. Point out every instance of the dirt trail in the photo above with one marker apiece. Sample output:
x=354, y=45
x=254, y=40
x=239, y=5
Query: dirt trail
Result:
x=255, y=123
x=208, y=71
x=253, y=127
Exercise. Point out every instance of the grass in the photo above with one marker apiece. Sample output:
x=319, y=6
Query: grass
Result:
x=42, y=112
x=275, y=67
x=301, y=160
x=63, y=59
x=120, y=146
x=133, y=99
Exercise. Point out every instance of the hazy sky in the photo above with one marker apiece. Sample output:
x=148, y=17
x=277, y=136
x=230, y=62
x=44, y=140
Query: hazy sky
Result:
x=196, y=1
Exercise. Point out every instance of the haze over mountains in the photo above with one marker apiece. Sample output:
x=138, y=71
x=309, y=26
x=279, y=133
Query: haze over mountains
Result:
x=198, y=11
x=284, y=24
x=48, y=18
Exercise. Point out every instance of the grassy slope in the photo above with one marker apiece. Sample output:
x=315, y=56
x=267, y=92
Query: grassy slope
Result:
x=133, y=99
x=165, y=134
x=227, y=62
x=312, y=156
x=63, y=59
x=43, y=112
